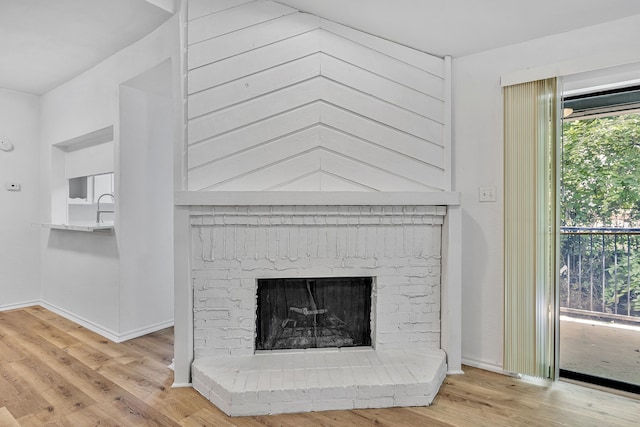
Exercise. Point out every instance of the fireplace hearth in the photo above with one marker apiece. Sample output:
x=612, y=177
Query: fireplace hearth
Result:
x=313, y=313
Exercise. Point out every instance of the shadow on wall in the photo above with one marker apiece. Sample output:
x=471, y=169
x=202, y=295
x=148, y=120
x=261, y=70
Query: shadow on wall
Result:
x=479, y=245
x=476, y=245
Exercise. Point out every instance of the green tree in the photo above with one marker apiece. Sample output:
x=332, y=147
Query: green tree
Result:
x=601, y=171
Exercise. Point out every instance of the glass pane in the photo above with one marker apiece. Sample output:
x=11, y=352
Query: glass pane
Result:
x=313, y=313
x=600, y=248
x=103, y=184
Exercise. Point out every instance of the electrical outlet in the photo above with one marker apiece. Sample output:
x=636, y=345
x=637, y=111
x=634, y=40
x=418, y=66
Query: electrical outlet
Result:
x=12, y=186
x=487, y=194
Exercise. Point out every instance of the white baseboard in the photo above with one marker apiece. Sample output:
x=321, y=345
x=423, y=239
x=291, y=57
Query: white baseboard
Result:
x=100, y=330
x=19, y=305
x=93, y=327
x=486, y=366
x=181, y=385
x=146, y=330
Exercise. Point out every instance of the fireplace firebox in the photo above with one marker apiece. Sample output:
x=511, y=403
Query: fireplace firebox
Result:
x=302, y=313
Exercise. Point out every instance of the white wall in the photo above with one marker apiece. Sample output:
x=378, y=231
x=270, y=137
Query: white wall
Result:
x=479, y=161
x=81, y=272
x=145, y=209
x=19, y=229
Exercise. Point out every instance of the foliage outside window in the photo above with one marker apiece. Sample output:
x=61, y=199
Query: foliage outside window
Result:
x=601, y=172
x=601, y=189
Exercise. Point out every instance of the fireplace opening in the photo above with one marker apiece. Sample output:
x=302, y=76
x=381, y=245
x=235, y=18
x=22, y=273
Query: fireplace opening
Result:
x=313, y=313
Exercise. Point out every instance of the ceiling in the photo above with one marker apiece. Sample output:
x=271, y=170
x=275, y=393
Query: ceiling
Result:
x=464, y=27
x=44, y=43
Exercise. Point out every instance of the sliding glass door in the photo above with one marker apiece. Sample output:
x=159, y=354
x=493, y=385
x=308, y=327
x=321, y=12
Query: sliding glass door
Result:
x=599, y=286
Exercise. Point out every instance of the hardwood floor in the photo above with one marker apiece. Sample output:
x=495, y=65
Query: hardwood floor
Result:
x=56, y=373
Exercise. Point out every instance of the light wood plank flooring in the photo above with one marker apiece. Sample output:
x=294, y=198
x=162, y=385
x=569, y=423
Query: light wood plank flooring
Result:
x=56, y=373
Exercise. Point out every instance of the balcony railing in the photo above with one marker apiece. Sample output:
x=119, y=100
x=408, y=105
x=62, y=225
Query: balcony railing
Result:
x=600, y=270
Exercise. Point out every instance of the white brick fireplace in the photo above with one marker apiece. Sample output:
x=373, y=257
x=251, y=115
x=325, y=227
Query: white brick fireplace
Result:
x=398, y=245
x=233, y=246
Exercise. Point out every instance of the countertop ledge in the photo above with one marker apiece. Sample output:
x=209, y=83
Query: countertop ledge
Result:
x=81, y=227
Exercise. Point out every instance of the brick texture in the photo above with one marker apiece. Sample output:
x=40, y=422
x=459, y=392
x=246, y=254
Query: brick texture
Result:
x=398, y=246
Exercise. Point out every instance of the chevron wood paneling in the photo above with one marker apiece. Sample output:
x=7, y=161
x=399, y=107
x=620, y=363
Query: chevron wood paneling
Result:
x=283, y=100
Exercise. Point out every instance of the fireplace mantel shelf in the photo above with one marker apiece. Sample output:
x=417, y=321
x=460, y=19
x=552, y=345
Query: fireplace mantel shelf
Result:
x=318, y=198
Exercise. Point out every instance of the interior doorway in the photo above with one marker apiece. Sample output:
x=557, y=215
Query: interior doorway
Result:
x=599, y=277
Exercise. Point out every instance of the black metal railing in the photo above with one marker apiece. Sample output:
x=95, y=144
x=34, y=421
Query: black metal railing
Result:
x=600, y=270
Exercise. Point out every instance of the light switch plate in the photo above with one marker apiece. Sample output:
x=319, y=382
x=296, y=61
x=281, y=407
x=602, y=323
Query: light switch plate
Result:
x=487, y=194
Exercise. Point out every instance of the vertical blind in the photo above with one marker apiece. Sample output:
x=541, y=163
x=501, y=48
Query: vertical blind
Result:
x=530, y=224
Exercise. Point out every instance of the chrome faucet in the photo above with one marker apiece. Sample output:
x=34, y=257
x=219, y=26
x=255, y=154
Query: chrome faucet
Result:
x=99, y=212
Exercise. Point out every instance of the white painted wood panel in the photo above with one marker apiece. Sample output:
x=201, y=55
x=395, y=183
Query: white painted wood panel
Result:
x=273, y=153
x=228, y=45
x=260, y=108
x=320, y=181
x=424, y=61
x=254, y=135
x=390, y=161
x=375, y=109
x=384, y=65
x=268, y=176
x=237, y=18
x=198, y=8
x=284, y=101
x=367, y=175
x=380, y=134
x=253, y=61
x=330, y=182
x=253, y=86
x=311, y=181
x=295, y=167
x=384, y=89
